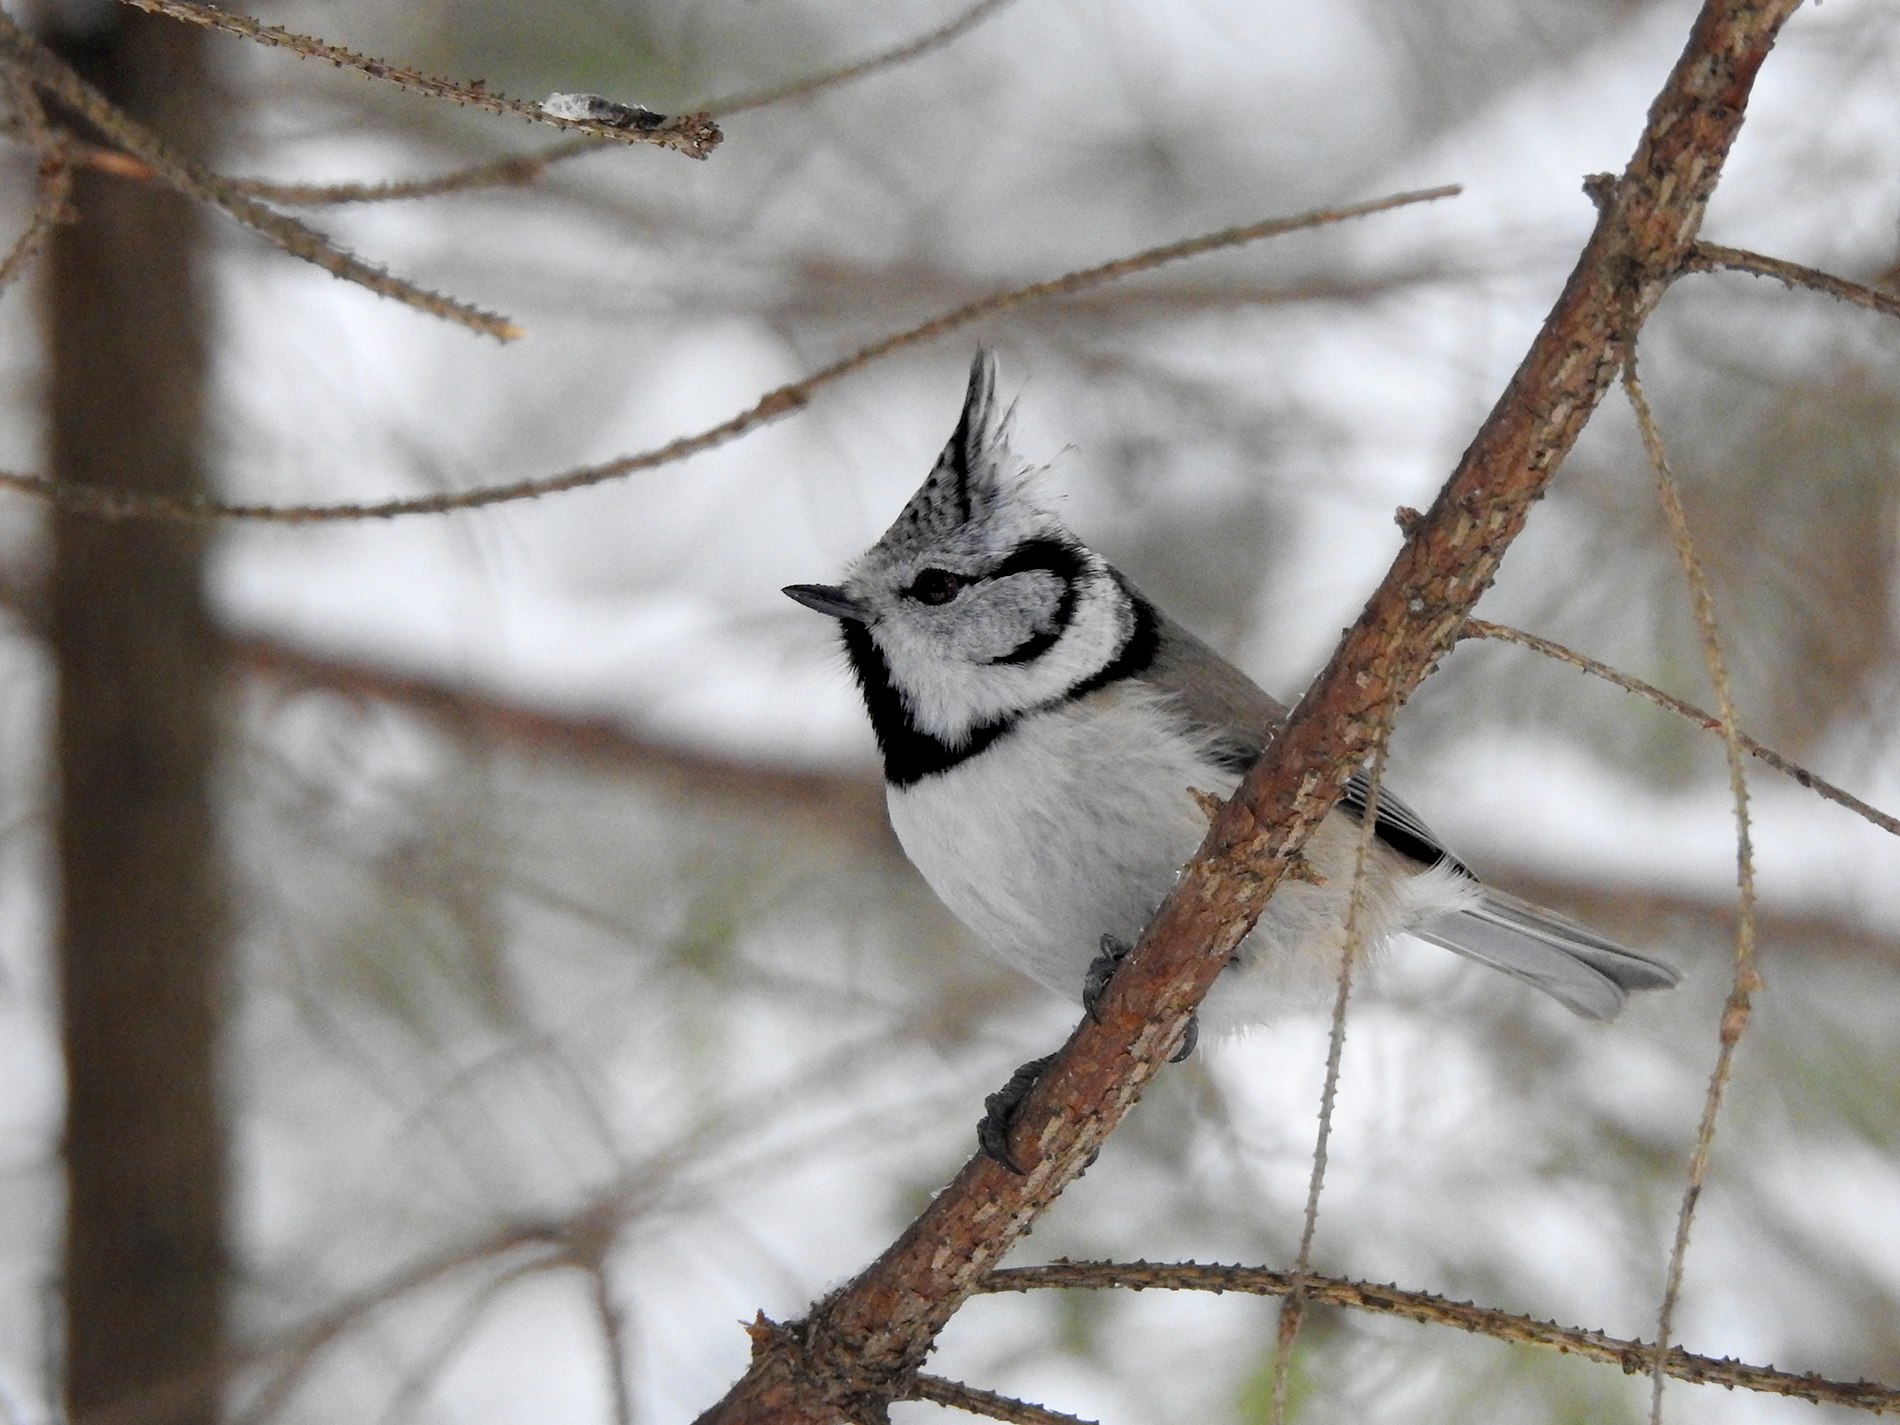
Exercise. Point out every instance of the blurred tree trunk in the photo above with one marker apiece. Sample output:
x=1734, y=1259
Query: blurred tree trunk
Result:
x=142, y=924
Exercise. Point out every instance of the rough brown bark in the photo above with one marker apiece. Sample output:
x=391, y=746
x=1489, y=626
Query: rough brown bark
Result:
x=141, y=921
x=862, y=1346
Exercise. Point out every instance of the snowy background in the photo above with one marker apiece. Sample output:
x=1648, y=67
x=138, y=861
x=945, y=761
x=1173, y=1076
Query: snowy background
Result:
x=562, y=873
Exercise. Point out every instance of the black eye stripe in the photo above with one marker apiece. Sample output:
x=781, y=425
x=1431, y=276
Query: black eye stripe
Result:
x=1065, y=562
x=1055, y=556
x=1032, y=647
x=1049, y=556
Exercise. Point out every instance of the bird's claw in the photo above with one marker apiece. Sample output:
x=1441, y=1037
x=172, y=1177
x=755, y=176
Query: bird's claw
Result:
x=1095, y=984
x=1101, y=970
x=999, y=1113
x=1189, y=1038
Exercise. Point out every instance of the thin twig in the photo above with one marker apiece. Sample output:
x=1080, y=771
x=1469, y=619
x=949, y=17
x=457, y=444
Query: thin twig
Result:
x=1633, y=1357
x=572, y=1239
x=694, y=135
x=1736, y=1010
x=406, y=1400
x=515, y=170
x=956, y=1396
x=53, y=205
x=108, y=503
x=1293, y=1312
x=1709, y=722
x=46, y=70
x=580, y=1238
x=1712, y=257
x=511, y=171
x=944, y=34
x=613, y=1339
x=293, y=1355
x=521, y=169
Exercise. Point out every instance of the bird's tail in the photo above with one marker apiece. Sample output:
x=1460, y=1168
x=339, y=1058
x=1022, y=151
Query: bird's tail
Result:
x=1575, y=966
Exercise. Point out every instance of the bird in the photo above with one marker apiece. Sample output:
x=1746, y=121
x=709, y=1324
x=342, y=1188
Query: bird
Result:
x=1045, y=729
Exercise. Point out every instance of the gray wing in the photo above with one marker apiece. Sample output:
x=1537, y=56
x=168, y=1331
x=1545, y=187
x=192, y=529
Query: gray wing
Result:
x=1215, y=695
x=1582, y=970
x=1242, y=718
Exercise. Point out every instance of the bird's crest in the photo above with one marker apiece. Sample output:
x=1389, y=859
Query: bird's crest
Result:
x=975, y=471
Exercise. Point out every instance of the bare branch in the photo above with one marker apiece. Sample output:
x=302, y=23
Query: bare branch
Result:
x=1633, y=1357
x=694, y=135
x=1709, y=722
x=43, y=68
x=613, y=1337
x=53, y=204
x=1293, y=1313
x=423, y=1374
x=107, y=503
x=956, y=1396
x=522, y=169
x=512, y=171
x=855, y=802
x=944, y=34
x=1735, y=1012
x=1711, y=257
x=292, y=1356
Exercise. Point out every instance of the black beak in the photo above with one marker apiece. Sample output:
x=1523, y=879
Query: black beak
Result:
x=825, y=599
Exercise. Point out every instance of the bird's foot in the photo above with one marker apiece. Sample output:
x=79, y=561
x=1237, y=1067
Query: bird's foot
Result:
x=1189, y=1038
x=1101, y=970
x=999, y=1113
x=1095, y=984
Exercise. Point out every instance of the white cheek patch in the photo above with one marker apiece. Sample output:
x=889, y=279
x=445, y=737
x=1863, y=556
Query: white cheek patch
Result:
x=1000, y=618
x=951, y=670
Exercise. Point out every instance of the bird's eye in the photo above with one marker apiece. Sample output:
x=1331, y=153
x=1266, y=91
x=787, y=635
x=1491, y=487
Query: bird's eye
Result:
x=935, y=586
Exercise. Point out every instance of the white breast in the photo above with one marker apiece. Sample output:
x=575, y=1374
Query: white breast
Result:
x=1070, y=827
x=1075, y=824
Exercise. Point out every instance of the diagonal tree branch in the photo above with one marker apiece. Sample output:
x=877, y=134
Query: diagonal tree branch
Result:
x=862, y=1346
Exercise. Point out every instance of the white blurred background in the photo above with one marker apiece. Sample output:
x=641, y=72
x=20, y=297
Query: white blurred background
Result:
x=561, y=882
